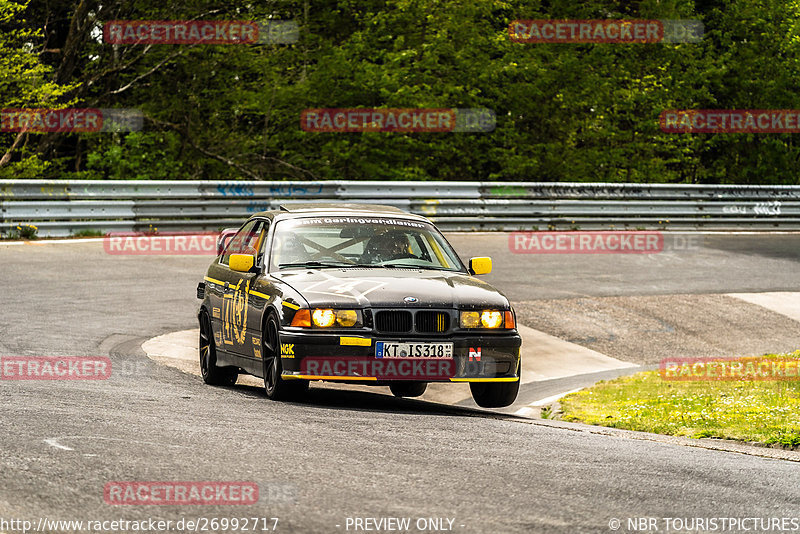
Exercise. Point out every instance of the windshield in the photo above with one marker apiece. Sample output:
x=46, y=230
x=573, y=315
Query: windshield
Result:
x=360, y=242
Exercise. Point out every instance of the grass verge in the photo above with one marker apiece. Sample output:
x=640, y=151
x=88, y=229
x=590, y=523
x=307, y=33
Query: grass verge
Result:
x=761, y=411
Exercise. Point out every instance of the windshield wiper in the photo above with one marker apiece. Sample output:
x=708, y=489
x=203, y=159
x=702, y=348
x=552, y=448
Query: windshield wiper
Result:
x=409, y=266
x=317, y=264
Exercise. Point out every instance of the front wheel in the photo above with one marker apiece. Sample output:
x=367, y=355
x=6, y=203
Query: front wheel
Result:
x=212, y=375
x=408, y=389
x=495, y=394
x=275, y=386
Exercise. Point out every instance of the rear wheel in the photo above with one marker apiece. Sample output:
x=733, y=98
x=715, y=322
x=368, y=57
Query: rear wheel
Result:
x=275, y=386
x=408, y=389
x=213, y=375
x=495, y=394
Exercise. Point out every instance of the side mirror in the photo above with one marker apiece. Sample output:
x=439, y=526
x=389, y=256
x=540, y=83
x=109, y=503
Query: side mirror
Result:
x=480, y=265
x=242, y=263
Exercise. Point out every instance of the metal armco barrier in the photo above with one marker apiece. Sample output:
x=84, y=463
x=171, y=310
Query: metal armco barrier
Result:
x=63, y=208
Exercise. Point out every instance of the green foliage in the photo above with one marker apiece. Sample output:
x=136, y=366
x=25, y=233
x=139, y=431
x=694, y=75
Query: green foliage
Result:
x=565, y=112
x=26, y=83
x=137, y=156
x=24, y=231
x=88, y=233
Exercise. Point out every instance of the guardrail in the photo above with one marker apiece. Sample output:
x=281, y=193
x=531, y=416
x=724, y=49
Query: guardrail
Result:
x=62, y=208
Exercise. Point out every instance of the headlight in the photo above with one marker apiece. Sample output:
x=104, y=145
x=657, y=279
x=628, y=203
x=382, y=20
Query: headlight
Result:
x=470, y=319
x=324, y=318
x=492, y=319
x=485, y=319
x=346, y=317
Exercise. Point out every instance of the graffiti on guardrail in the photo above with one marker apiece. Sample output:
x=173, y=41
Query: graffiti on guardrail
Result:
x=760, y=208
x=125, y=205
x=508, y=191
x=235, y=191
x=768, y=208
x=569, y=190
x=255, y=207
x=295, y=190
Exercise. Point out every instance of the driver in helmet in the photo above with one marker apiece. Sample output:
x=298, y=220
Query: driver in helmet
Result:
x=390, y=245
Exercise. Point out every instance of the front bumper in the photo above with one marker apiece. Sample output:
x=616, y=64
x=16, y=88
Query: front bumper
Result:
x=345, y=356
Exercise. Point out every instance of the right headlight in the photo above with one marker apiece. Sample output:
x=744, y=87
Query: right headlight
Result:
x=487, y=319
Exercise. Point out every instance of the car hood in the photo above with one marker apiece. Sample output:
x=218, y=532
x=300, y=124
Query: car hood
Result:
x=387, y=288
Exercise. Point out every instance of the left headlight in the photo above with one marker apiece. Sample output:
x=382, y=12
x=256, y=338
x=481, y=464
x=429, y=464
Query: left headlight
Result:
x=326, y=317
x=487, y=319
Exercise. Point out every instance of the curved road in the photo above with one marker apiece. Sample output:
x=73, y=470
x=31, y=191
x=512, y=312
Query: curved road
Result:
x=347, y=454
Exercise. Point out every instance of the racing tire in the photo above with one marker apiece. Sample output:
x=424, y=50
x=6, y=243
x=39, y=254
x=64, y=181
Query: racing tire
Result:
x=275, y=386
x=495, y=394
x=408, y=389
x=212, y=375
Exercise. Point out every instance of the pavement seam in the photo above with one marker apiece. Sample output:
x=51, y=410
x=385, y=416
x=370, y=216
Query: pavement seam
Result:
x=723, y=446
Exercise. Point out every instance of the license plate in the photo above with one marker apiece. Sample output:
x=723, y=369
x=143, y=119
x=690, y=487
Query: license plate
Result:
x=428, y=351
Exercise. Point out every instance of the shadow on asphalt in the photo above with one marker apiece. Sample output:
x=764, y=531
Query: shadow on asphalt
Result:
x=363, y=401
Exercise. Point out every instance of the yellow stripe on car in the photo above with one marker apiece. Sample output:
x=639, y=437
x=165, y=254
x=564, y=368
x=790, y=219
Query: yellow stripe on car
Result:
x=213, y=280
x=355, y=341
x=290, y=305
x=499, y=379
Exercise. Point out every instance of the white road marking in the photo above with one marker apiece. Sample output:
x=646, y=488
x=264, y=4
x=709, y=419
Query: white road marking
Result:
x=55, y=241
x=532, y=408
x=54, y=443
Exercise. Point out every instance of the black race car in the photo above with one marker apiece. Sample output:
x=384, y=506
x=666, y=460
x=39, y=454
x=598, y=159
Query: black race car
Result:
x=350, y=292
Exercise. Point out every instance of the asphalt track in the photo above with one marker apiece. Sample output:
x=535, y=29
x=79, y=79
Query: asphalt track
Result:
x=346, y=454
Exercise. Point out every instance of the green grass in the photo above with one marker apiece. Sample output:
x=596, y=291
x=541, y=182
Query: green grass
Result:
x=15, y=235
x=765, y=411
x=88, y=233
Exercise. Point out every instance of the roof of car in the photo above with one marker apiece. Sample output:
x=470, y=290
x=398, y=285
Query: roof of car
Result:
x=338, y=208
x=344, y=206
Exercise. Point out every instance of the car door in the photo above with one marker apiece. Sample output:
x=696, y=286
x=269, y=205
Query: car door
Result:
x=235, y=307
x=261, y=292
